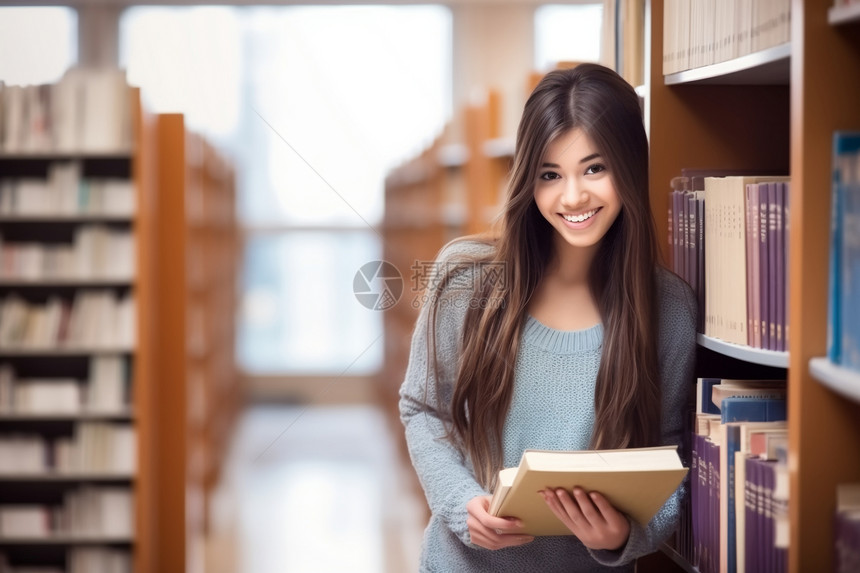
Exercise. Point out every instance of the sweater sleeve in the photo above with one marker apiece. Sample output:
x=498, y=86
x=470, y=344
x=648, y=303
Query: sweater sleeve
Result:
x=445, y=474
x=677, y=354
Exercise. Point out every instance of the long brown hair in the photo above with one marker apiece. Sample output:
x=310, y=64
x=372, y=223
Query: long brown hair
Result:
x=622, y=277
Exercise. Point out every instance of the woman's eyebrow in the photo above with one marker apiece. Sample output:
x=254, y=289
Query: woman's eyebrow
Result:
x=583, y=160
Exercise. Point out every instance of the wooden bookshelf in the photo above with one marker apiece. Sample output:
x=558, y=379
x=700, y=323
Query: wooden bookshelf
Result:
x=53, y=361
x=198, y=386
x=789, y=128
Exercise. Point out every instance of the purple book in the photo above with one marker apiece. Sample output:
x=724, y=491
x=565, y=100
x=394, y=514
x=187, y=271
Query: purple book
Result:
x=750, y=243
x=846, y=534
x=676, y=231
x=786, y=233
x=695, y=493
x=700, y=206
x=780, y=266
x=690, y=199
x=684, y=222
x=763, y=264
x=714, y=465
x=750, y=517
x=773, y=255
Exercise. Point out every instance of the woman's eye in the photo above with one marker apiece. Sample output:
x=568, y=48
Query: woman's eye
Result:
x=549, y=175
x=596, y=168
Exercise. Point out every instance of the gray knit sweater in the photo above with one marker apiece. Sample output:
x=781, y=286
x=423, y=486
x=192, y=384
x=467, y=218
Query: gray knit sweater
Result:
x=552, y=408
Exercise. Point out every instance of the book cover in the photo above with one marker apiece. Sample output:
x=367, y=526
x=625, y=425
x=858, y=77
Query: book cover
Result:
x=637, y=481
x=704, y=393
x=700, y=259
x=727, y=388
x=737, y=410
x=750, y=242
x=764, y=256
x=692, y=239
x=845, y=145
x=772, y=265
x=850, y=288
x=755, y=266
x=781, y=255
x=786, y=233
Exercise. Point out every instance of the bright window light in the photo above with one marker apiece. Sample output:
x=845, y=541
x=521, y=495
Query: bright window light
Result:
x=37, y=45
x=567, y=33
x=315, y=104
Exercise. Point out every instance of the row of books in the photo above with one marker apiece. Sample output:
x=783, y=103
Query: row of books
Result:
x=88, y=110
x=739, y=480
x=96, y=252
x=105, y=390
x=67, y=195
x=87, y=511
x=79, y=560
x=729, y=239
x=94, y=447
x=843, y=325
x=93, y=319
x=846, y=528
x=703, y=32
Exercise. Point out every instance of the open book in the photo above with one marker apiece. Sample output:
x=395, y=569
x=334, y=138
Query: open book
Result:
x=637, y=481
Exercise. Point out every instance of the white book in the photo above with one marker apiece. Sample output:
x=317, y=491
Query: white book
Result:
x=106, y=384
x=24, y=521
x=7, y=385
x=13, y=118
x=31, y=196
x=65, y=114
x=106, y=121
x=49, y=396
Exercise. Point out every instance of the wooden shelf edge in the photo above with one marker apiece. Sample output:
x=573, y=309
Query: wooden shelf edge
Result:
x=745, y=353
x=75, y=218
x=61, y=283
x=67, y=540
x=839, y=15
x=118, y=155
x=12, y=351
x=63, y=477
x=123, y=415
x=767, y=67
x=841, y=380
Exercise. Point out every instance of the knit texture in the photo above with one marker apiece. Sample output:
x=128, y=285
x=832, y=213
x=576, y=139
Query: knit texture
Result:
x=552, y=409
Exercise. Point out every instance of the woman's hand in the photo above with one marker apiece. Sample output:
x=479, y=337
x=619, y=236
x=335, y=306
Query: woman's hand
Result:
x=590, y=517
x=492, y=532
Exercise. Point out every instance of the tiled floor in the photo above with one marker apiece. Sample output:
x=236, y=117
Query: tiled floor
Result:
x=316, y=490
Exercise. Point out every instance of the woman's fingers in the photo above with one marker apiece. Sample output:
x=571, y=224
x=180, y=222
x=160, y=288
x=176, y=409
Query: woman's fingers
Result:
x=492, y=532
x=590, y=517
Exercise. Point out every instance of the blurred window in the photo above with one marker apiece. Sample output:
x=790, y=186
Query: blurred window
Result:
x=37, y=45
x=567, y=33
x=315, y=104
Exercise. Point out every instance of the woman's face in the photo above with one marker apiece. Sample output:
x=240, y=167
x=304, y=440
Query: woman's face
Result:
x=575, y=192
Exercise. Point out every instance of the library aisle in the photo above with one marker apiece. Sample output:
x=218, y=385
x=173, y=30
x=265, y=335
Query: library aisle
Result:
x=315, y=489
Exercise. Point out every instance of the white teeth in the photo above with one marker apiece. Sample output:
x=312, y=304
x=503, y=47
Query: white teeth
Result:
x=580, y=218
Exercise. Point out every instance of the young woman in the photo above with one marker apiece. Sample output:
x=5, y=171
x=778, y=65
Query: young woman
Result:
x=561, y=334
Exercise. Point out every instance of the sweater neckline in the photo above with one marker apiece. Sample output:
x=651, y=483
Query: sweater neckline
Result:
x=561, y=341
